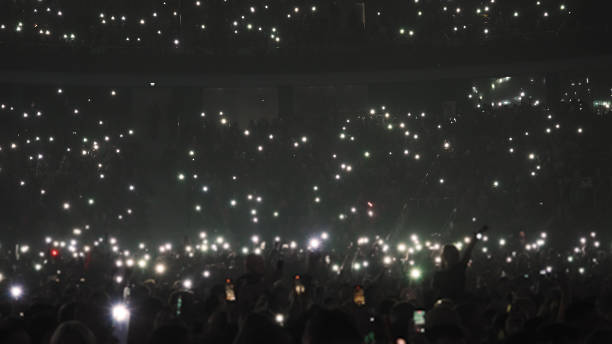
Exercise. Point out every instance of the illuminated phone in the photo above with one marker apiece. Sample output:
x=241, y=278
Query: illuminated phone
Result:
x=230, y=295
x=299, y=286
x=359, y=296
x=179, y=305
x=418, y=317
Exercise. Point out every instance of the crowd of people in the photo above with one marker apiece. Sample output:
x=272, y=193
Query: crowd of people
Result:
x=216, y=27
x=83, y=172
x=327, y=228
x=484, y=288
x=79, y=159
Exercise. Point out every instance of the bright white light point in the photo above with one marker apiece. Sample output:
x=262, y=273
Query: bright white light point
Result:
x=313, y=243
x=16, y=292
x=317, y=200
x=187, y=284
x=177, y=42
x=198, y=207
x=181, y=176
x=441, y=181
x=121, y=313
x=579, y=130
x=66, y=206
x=531, y=156
x=417, y=157
x=495, y=184
x=113, y=93
x=233, y=203
x=260, y=148
x=366, y=154
x=279, y=318
x=160, y=269
x=304, y=139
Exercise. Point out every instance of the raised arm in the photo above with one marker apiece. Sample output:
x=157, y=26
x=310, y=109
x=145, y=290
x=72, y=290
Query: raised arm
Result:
x=467, y=254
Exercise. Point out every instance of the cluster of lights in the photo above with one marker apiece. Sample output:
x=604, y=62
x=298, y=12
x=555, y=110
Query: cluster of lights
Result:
x=258, y=21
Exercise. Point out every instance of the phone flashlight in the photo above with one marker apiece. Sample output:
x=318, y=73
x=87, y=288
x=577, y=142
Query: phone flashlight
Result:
x=418, y=318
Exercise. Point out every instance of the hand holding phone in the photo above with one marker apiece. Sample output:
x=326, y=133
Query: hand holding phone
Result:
x=418, y=318
x=359, y=296
x=230, y=295
x=299, y=286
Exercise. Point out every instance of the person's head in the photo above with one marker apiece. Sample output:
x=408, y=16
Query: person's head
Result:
x=96, y=318
x=72, y=332
x=259, y=329
x=255, y=264
x=402, y=320
x=66, y=312
x=442, y=315
x=12, y=331
x=279, y=298
x=330, y=327
x=170, y=333
x=450, y=256
x=447, y=334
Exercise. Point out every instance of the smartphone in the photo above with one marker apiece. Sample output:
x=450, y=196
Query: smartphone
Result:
x=230, y=295
x=179, y=305
x=299, y=286
x=359, y=296
x=418, y=317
